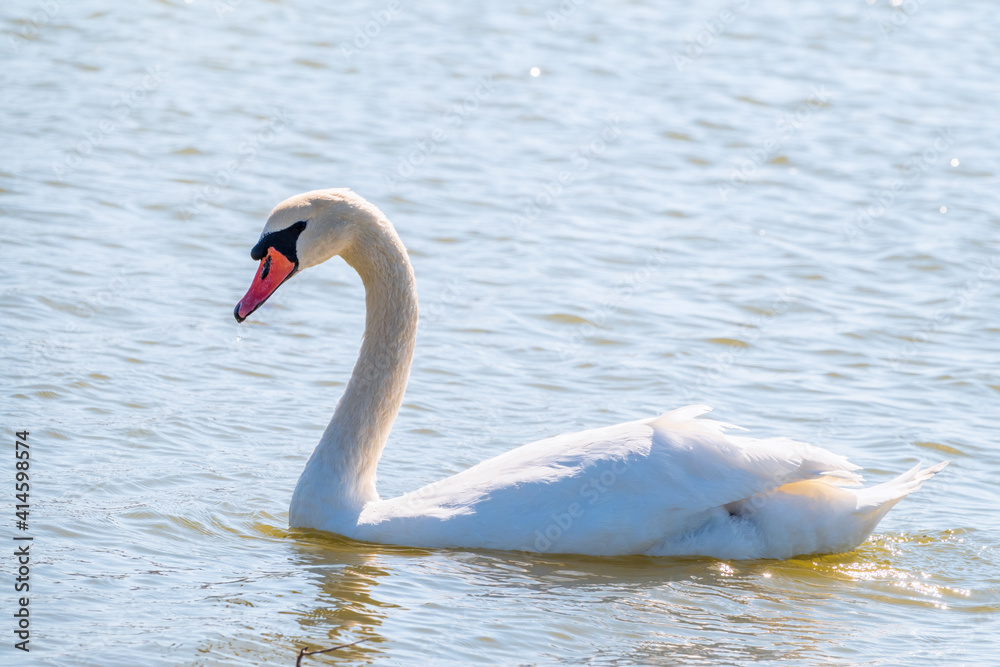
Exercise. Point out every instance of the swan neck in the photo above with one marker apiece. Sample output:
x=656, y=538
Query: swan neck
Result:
x=360, y=427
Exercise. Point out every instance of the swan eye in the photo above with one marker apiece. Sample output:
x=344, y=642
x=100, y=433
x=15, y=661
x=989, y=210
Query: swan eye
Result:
x=283, y=241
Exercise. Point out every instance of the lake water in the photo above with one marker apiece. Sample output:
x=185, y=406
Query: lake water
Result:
x=784, y=210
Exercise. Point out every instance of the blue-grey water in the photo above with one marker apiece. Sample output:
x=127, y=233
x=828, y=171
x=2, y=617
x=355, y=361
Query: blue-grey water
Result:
x=785, y=210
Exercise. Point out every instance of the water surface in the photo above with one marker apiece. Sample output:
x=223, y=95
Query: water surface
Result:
x=786, y=211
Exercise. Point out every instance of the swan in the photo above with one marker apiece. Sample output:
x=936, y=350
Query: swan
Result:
x=670, y=485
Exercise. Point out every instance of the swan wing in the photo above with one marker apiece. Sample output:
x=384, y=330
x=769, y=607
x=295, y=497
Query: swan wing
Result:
x=638, y=487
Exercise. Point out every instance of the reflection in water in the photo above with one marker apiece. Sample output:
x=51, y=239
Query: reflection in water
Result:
x=694, y=611
x=344, y=606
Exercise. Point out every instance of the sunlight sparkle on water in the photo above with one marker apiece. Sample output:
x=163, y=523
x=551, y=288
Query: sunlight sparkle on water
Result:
x=726, y=570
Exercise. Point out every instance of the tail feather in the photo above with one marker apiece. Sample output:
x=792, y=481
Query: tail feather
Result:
x=895, y=489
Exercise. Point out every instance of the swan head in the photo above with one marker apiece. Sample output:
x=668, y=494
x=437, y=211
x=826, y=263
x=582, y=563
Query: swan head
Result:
x=303, y=231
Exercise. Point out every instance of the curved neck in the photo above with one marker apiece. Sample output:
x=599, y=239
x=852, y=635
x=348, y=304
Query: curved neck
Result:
x=353, y=441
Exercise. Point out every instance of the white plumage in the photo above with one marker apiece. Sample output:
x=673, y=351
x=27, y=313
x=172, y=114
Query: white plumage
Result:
x=672, y=485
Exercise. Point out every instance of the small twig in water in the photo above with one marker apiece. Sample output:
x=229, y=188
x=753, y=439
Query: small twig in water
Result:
x=305, y=650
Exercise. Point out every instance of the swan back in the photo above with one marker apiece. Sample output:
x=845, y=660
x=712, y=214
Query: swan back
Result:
x=674, y=485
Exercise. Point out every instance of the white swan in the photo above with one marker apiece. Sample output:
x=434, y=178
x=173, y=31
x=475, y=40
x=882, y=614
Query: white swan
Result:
x=669, y=485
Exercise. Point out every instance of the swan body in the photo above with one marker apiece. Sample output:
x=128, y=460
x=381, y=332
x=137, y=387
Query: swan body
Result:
x=675, y=485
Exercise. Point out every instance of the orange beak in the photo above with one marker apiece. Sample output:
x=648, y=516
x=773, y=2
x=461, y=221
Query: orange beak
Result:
x=274, y=269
